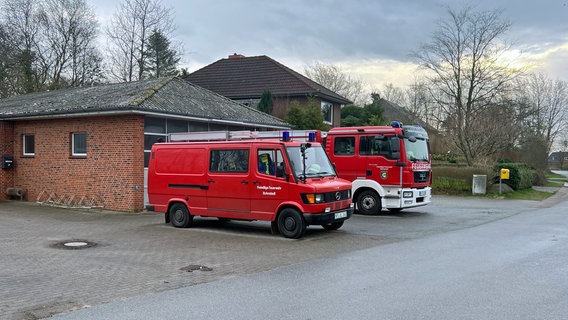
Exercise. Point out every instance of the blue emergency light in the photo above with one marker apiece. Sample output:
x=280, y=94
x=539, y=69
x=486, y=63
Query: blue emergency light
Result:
x=311, y=136
x=396, y=124
x=285, y=136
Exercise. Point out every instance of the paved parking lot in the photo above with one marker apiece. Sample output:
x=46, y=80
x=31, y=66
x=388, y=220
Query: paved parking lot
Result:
x=42, y=272
x=133, y=254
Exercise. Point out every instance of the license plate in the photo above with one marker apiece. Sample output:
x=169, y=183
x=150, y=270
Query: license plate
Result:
x=422, y=193
x=341, y=214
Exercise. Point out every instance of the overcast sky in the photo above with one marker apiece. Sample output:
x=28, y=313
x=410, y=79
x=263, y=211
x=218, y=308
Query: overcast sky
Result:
x=369, y=39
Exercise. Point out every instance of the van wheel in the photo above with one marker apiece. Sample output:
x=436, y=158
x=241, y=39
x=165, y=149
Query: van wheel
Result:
x=179, y=216
x=291, y=224
x=333, y=225
x=369, y=202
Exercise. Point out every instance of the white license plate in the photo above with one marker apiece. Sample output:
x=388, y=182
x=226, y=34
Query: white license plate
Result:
x=341, y=214
x=422, y=193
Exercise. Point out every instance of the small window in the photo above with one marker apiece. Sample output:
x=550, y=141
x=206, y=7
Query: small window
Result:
x=29, y=145
x=344, y=146
x=229, y=160
x=79, y=144
x=327, y=112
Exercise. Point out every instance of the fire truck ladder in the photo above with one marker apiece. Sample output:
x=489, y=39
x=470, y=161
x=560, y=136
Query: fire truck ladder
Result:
x=243, y=135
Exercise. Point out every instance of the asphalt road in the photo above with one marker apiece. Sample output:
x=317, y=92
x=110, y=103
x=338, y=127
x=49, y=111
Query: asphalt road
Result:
x=512, y=268
x=133, y=257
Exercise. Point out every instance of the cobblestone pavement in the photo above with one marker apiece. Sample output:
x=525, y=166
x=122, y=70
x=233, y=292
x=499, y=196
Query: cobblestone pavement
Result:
x=133, y=254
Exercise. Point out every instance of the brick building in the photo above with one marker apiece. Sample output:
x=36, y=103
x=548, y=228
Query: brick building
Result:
x=243, y=79
x=89, y=147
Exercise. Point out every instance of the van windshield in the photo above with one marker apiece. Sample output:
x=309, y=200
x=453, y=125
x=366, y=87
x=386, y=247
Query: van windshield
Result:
x=317, y=163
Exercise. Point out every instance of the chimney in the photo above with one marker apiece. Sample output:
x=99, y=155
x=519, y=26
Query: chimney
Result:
x=236, y=56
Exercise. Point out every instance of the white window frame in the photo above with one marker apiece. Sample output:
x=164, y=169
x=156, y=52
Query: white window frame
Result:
x=325, y=104
x=73, y=152
x=24, y=145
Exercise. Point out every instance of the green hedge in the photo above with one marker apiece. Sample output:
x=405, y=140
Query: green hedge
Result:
x=456, y=180
x=521, y=176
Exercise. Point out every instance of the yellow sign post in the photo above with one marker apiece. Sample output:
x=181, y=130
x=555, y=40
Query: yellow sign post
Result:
x=504, y=176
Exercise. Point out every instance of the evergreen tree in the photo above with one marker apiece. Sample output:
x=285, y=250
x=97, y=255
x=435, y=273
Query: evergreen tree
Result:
x=162, y=60
x=266, y=102
x=307, y=117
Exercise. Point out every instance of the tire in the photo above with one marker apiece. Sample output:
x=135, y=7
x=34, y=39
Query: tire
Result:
x=179, y=216
x=291, y=224
x=333, y=225
x=369, y=202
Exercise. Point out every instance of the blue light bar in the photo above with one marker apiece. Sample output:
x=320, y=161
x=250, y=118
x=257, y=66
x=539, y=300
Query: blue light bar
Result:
x=311, y=136
x=285, y=136
x=396, y=124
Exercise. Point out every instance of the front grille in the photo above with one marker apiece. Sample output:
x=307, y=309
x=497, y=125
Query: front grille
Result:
x=332, y=196
x=421, y=176
x=340, y=205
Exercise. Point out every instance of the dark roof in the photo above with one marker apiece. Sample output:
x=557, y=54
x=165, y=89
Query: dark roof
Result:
x=394, y=112
x=166, y=96
x=239, y=77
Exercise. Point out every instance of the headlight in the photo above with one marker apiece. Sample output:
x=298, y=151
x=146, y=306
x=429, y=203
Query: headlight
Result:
x=407, y=194
x=312, y=198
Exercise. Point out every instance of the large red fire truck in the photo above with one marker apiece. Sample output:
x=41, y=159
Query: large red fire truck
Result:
x=390, y=166
x=237, y=176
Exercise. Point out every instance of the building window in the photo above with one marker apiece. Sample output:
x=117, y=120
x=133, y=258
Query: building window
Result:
x=79, y=144
x=29, y=145
x=327, y=111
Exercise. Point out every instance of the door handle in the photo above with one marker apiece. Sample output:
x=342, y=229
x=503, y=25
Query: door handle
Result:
x=244, y=182
x=210, y=181
x=256, y=182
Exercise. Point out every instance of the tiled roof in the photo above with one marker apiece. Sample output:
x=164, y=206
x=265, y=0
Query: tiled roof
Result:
x=240, y=77
x=167, y=96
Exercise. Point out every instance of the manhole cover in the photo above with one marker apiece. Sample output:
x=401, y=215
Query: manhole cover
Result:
x=73, y=244
x=194, y=267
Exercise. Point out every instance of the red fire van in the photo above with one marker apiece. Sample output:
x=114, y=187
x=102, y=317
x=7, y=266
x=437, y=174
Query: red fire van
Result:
x=290, y=183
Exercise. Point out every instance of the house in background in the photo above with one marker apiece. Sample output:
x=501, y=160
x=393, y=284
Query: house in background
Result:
x=90, y=146
x=243, y=79
x=558, y=160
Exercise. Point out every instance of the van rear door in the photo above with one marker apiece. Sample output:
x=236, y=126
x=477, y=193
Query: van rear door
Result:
x=228, y=180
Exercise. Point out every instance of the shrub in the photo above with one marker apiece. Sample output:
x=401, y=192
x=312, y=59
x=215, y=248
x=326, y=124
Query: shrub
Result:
x=521, y=176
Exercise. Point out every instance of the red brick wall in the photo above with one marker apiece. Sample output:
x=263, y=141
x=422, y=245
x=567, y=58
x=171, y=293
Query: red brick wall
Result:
x=6, y=148
x=112, y=172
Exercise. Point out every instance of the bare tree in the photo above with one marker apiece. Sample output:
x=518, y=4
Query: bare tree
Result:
x=335, y=79
x=70, y=30
x=21, y=20
x=547, y=101
x=393, y=94
x=129, y=31
x=467, y=74
x=52, y=42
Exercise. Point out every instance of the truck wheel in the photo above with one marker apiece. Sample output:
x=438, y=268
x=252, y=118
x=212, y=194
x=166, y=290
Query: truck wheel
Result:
x=179, y=216
x=333, y=225
x=369, y=202
x=291, y=224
